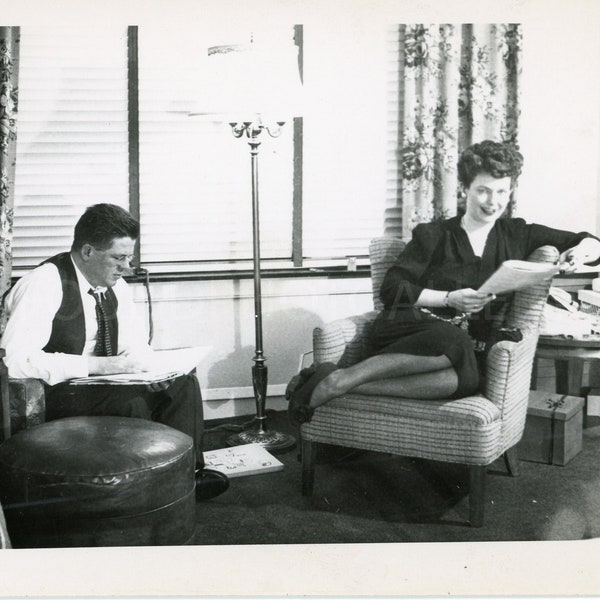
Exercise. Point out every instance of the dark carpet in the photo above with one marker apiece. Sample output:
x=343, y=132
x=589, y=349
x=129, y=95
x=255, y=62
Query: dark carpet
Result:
x=368, y=497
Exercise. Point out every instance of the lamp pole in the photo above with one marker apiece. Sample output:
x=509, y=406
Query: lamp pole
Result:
x=272, y=440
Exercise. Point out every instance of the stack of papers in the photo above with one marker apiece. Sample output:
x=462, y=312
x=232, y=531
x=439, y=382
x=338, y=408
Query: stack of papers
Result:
x=164, y=365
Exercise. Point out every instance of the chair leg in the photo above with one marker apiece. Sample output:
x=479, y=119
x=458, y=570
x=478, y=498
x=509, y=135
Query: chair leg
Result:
x=309, y=452
x=477, y=476
x=511, y=460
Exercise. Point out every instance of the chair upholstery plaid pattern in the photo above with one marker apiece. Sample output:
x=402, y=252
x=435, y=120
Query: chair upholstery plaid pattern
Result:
x=475, y=430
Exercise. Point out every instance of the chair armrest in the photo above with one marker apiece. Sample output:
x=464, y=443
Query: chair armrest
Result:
x=544, y=254
x=27, y=403
x=527, y=305
x=506, y=359
x=343, y=341
x=508, y=379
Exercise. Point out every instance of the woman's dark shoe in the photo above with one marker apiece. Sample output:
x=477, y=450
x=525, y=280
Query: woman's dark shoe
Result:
x=298, y=380
x=300, y=391
x=210, y=483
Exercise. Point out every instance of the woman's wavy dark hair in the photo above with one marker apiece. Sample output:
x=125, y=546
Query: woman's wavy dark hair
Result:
x=499, y=159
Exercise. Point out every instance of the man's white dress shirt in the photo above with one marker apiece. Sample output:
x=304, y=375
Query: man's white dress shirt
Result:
x=31, y=306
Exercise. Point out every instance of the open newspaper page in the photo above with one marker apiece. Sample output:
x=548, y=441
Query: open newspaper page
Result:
x=514, y=275
x=165, y=365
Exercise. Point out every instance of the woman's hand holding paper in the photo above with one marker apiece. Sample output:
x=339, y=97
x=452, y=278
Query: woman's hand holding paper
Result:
x=468, y=300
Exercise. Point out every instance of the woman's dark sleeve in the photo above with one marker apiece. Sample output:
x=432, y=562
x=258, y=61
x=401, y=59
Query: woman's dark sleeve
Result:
x=540, y=235
x=400, y=285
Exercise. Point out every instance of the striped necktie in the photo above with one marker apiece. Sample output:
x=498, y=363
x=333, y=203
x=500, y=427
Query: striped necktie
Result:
x=104, y=346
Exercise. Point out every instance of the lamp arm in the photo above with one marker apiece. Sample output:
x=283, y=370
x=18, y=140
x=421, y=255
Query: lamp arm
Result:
x=275, y=131
x=252, y=129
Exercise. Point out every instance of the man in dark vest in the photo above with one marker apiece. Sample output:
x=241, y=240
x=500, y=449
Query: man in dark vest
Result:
x=74, y=316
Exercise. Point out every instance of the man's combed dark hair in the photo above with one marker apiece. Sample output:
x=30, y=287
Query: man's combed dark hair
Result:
x=101, y=224
x=499, y=159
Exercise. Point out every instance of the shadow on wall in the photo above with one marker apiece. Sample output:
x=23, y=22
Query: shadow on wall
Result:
x=286, y=335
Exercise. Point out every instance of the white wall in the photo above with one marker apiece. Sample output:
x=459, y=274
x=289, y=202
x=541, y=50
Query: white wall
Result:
x=220, y=316
x=560, y=125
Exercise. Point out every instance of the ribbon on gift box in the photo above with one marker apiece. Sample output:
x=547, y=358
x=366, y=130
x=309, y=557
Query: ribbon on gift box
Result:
x=554, y=404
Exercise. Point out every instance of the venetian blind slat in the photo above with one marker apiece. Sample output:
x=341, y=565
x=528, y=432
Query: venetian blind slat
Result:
x=71, y=134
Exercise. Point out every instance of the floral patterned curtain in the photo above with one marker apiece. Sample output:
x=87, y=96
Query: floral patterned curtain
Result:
x=9, y=71
x=461, y=86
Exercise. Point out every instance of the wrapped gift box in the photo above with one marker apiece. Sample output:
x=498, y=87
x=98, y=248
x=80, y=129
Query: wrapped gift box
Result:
x=554, y=428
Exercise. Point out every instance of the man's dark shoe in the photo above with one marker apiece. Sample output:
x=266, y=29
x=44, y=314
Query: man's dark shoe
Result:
x=210, y=483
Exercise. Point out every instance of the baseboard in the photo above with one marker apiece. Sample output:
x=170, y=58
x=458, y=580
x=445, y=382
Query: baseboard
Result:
x=242, y=392
x=222, y=403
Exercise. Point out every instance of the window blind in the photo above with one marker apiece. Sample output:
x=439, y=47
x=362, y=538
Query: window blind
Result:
x=394, y=108
x=195, y=177
x=195, y=189
x=71, y=134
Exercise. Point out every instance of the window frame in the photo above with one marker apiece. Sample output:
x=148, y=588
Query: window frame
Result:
x=167, y=273
x=294, y=265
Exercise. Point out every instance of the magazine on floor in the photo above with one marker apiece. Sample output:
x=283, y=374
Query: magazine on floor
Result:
x=238, y=461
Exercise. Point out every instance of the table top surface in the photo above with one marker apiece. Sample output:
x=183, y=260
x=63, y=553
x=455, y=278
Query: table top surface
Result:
x=558, y=347
x=588, y=341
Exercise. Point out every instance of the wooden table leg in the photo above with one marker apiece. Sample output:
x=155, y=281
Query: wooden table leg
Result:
x=569, y=376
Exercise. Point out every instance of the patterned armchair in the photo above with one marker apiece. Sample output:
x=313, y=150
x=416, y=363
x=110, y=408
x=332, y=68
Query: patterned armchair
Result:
x=23, y=402
x=474, y=431
x=23, y=406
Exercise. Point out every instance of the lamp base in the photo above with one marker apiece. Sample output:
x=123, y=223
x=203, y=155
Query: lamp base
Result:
x=270, y=440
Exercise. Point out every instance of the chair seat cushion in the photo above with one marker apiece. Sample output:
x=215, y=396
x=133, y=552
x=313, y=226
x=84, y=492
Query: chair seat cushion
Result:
x=476, y=410
x=464, y=430
x=129, y=478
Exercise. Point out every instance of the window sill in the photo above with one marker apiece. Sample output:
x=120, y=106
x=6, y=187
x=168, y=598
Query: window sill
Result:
x=361, y=271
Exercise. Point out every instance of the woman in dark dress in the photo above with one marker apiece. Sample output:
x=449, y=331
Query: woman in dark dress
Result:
x=419, y=344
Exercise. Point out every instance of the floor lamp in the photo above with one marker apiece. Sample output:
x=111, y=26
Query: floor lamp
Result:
x=259, y=89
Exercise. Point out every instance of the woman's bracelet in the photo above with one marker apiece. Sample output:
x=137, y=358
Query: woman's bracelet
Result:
x=447, y=299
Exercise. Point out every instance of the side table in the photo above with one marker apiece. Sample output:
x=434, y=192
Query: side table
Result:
x=569, y=356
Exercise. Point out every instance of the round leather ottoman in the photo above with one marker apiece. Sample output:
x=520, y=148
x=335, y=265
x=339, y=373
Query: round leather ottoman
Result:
x=98, y=481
